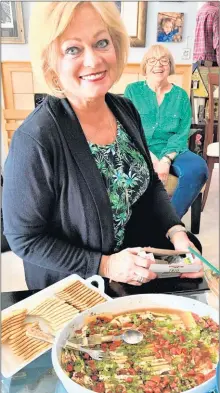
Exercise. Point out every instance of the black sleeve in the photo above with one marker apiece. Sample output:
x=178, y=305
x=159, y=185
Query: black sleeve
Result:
x=28, y=199
x=162, y=207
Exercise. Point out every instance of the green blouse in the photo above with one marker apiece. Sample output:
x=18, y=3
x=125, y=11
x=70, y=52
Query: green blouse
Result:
x=126, y=176
x=166, y=126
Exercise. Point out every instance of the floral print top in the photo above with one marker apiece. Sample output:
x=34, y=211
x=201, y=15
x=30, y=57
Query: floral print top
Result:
x=126, y=176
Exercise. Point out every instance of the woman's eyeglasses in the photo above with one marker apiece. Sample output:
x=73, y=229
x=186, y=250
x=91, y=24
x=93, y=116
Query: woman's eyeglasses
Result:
x=162, y=60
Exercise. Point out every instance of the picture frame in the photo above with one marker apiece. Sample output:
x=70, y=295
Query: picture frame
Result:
x=170, y=27
x=134, y=15
x=12, y=24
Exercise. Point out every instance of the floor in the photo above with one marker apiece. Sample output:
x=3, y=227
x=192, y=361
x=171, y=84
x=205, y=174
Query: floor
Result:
x=12, y=272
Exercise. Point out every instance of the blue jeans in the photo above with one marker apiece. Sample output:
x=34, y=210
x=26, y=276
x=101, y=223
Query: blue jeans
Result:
x=192, y=173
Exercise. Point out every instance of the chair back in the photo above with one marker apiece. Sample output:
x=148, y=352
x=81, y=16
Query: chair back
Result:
x=11, y=120
x=213, y=81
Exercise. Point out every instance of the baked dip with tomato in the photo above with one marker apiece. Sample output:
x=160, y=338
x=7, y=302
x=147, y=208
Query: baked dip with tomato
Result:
x=179, y=351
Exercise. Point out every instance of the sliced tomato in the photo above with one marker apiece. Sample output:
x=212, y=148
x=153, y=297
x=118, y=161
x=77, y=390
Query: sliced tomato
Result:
x=86, y=356
x=214, y=328
x=148, y=389
x=209, y=364
x=128, y=324
x=99, y=387
x=180, y=366
x=165, y=380
x=120, y=389
x=210, y=375
x=129, y=380
x=155, y=378
x=199, y=378
x=195, y=316
x=104, y=347
x=117, y=343
x=167, y=357
x=79, y=331
x=69, y=367
x=173, y=351
x=191, y=373
x=197, y=359
x=178, y=350
x=131, y=371
x=173, y=385
x=79, y=375
x=112, y=347
x=157, y=390
x=91, y=364
x=151, y=384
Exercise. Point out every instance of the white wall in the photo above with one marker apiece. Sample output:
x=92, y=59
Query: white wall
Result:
x=189, y=9
x=21, y=52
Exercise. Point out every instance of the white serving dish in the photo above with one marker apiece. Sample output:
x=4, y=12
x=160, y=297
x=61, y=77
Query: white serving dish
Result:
x=11, y=363
x=126, y=304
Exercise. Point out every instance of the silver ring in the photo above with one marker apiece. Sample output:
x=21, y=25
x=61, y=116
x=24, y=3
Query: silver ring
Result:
x=140, y=279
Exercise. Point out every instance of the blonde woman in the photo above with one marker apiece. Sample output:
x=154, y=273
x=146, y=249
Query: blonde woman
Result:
x=165, y=112
x=79, y=185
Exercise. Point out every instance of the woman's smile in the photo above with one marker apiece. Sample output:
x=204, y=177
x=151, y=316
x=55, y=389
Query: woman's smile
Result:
x=87, y=66
x=94, y=77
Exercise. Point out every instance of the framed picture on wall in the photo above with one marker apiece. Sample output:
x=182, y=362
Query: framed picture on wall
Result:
x=170, y=26
x=12, y=26
x=134, y=15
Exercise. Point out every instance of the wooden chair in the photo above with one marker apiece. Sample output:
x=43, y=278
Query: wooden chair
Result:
x=12, y=118
x=211, y=148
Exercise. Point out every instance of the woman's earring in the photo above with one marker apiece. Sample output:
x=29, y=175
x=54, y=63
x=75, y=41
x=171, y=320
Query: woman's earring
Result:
x=56, y=83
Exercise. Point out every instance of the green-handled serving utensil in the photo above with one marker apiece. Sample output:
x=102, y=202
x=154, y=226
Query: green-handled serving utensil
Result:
x=213, y=268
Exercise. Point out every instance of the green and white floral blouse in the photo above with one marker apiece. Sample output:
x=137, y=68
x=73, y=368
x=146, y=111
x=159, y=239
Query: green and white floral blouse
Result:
x=126, y=176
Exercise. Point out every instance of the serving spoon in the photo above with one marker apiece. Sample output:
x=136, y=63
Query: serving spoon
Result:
x=130, y=336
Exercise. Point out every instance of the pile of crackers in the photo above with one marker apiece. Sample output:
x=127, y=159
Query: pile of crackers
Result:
x=55, y=310
x=14, y=333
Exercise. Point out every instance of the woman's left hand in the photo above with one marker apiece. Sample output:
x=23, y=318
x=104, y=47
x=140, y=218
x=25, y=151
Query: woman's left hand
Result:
x=181, y=242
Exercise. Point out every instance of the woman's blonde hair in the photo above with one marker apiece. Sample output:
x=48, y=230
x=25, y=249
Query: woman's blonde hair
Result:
x=49, y=20
x=157, y=51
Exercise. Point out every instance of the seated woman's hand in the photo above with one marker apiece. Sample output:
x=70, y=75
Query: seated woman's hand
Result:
x=127, y=267
x=181, y=242
x=163, y=169
x=154, y=160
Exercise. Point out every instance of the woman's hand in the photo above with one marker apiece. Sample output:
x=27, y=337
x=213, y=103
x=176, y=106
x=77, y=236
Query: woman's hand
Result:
x=154, y=160
x=181, y=242
x=163, y=169
x=126, y=266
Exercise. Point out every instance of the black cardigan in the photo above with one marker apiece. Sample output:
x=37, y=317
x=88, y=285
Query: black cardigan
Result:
x=56, y=210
